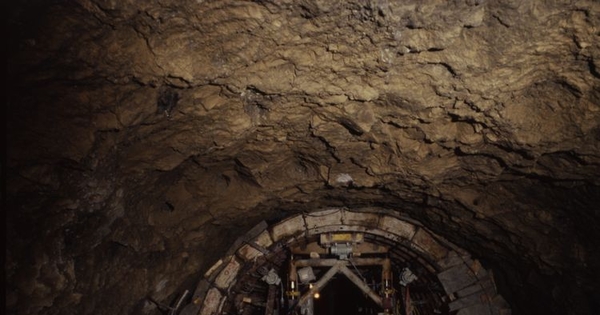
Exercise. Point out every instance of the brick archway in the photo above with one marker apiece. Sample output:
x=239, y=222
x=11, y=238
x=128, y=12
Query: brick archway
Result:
x=468, y=288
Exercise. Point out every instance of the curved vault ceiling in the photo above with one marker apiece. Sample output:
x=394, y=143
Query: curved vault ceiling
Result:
x=144, y=137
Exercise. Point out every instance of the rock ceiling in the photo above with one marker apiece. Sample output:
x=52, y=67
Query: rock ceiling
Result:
x=144, y=137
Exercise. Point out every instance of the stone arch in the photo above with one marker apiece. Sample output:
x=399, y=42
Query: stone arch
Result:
x=468, y=288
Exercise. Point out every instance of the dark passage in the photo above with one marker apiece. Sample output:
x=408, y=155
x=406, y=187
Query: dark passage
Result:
x=341, y=296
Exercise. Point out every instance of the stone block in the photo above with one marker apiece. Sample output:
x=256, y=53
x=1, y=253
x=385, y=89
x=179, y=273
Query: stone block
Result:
x=489, y=286
x=264, y=240
x=468, y=301
x=201, y=289
x=248, y=253
x=469, y=290
x=228, y=274
x=287, y=228
x=389, y=235
x=477, y=309
x=370, y=220
x=323, y=218
x=338, y=228
x=476, y=268
x=425, y=241
x=456, y=278
x=452, y=259
x=398, y=227
x=210, y=272
x=211, y=302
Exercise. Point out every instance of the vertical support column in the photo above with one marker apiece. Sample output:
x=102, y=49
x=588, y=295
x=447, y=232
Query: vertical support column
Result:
x=292, y=292
x=388, y=288
x=271, y=296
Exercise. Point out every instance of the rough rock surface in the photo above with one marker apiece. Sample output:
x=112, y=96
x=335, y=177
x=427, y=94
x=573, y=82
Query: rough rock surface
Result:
x=144, y=136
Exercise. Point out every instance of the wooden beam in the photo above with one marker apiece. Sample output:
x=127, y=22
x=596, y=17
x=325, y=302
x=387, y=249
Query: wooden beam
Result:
x=317, y=262
x=317, y=286
x=340, y=267
x=357, y=249
x=361, y=285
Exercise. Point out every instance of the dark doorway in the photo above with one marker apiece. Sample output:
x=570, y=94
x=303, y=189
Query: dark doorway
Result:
x=341, y=296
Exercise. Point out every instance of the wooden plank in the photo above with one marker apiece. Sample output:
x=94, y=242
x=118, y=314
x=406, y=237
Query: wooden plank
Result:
x=271, y=296
x=317, y=262
x=317, y=286
x=361, y=284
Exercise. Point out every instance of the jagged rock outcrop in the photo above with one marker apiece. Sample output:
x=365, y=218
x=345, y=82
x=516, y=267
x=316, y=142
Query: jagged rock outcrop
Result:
x=143, y=138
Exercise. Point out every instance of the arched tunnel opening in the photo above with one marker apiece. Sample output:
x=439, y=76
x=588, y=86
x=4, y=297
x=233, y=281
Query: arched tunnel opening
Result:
x=358, y=262
x=178, y=157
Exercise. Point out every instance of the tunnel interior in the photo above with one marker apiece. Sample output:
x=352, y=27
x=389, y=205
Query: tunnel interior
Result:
x=163, y=156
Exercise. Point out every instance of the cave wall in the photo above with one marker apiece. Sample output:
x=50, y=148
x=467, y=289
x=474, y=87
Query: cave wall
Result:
x=143, y=138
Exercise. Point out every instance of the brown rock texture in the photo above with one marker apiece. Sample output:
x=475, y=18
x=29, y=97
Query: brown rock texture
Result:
x=143, y=137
